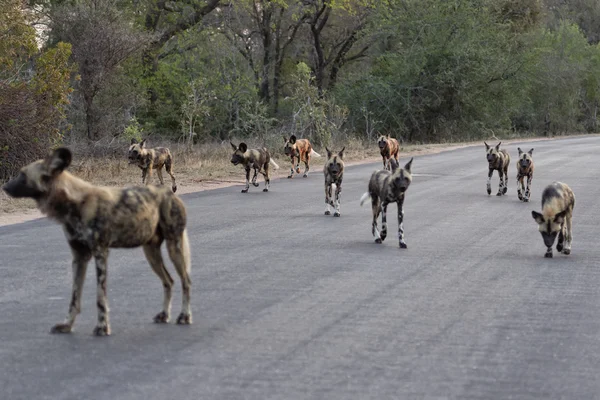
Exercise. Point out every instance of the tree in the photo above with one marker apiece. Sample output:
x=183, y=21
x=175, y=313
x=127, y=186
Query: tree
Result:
x=34, y=89
x=102, y=39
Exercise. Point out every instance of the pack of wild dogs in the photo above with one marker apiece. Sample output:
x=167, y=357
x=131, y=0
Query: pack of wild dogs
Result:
x=96, y=218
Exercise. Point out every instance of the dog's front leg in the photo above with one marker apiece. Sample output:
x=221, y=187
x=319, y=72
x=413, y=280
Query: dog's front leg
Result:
x=254, y=183
x=81, y=258
x=103, y=326
x=528, y=190
x=501, y=185
x=401, y=241
x=338, y=190
x=327, y=198
x=489, y=181
x=383, y=234
x=144, y=173
x=520, y=186
x=291, y=168
x=245, y=190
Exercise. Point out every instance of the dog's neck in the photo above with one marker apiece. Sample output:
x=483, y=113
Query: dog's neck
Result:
x=65, y=194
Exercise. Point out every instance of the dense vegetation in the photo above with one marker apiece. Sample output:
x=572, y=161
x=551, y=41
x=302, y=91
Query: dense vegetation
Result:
x=204, y=70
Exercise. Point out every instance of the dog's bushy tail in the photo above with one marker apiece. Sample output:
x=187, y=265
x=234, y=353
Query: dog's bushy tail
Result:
x=314, y=153
x=185, y=249
x=364, y=198
x=274, y=164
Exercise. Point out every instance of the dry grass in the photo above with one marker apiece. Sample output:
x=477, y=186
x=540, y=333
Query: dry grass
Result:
x=204, y=167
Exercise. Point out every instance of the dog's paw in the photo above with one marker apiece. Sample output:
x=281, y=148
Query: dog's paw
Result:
x=336, y=214
x=244, y=190
x=265, y=190
x=161, y=318
x=403, y=245
x=327, y=212
x=61, y=328
x=566, y=251
x=184, y=319
x=102, y=330
x=378, y=240
x=548, y=255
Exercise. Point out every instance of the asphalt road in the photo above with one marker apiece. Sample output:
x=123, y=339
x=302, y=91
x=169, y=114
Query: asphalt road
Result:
x=291, y=304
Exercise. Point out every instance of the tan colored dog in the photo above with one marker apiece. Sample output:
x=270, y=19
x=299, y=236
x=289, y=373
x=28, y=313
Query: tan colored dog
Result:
x=96, y=219
x=498, y=160
x=388, y=148
x=299, y=150
x=151, y=159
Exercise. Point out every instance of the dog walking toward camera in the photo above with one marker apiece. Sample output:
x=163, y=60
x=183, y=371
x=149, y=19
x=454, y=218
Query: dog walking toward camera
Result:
x=334, y=174
x=299, y=150
x=556, y=218
x=498, y=160
x=388, y=148
x=257, y=159
x=152, y=159
x=524, y=170
x=95, y=219
x=387, y=187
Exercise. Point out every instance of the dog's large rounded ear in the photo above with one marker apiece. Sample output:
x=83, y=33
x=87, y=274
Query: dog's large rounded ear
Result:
x=487, y=146
x=293, y=139
x=530, y=152
x=233, y=145
x=243, y=147
x=408, y=165
x=143, y=144
x=133, y=141
x=341, y=153
x=520, y=151
x=539, y=218
x=498, y=145
x=285, y=139
x=59, y=160
x=328, y=152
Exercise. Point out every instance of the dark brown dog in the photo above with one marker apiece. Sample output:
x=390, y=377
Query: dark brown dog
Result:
x=389, y=148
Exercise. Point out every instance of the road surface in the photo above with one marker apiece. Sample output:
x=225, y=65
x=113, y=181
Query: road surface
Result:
x=291, y=304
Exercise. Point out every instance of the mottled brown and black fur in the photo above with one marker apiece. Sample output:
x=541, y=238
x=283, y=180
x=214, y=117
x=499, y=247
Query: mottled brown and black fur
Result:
x=334, y=174
x=498, y=160
x=96, y=218
x=388, y=148
x=151, y=159
x=387, y=187
x=556, y=218
x=257, y=159
x=525, y=169
x=299, y=150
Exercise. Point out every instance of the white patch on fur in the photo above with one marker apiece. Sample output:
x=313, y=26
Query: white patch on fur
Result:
x=314, y=153
x=274, y=164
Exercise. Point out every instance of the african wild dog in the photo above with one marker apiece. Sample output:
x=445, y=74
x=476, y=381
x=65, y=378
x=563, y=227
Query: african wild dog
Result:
x=258, y=159
x=497, y=160
x=388, y=147
x=524, y=169
x=387, y=187
x=299, y=150
x=96, y=218
x=151, y=159
x=556, y=218
x=334, y=173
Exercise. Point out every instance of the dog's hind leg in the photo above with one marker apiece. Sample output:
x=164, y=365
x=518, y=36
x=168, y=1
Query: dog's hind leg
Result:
x=154, y=257
x=103, y=326
x=306, y=164
x=528, y=190
x=328, y=201
x=520, y=186
x=266, y=174
x=81, y=258
x=489, y=181
x=179, y=252
x=383, y=234
x=338, y=191
x=255, y=177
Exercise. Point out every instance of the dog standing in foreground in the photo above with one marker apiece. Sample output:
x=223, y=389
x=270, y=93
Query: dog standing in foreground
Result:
x=388, y=148
x=299, y=150
x=497, y=160
x=334, y=174
x=257, y=159
x=556, y=217
x=96, y=218
x=524, y=170
x=387, y=187
x=151, y=159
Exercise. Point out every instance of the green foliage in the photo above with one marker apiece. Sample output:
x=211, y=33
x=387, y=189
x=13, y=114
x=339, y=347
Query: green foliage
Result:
x=133, y=130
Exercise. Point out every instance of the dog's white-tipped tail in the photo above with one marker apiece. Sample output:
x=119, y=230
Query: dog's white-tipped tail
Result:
x=274, y=164
x=314, y=153
x=364, y=198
